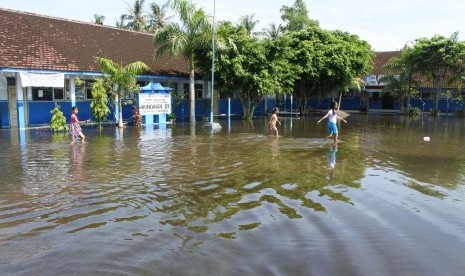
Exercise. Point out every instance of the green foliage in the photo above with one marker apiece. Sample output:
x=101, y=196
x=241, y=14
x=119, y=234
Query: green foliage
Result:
x=58, y=121
x=439, y=59
x=192, y=33
x=296, y=17
x=415, y=111
x=121, y=79
x=99, y=102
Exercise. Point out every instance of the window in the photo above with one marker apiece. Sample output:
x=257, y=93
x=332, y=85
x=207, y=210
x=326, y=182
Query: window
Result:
x=58, y=94
x=375, y=97
x=88, y=88
x=198, y=90
x=42, y=94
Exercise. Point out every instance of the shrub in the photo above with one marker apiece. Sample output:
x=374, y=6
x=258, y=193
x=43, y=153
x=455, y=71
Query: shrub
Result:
x=415, y=111
x=58, y=121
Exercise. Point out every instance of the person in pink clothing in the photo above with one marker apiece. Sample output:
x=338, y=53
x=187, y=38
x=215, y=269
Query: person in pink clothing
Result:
x=75, y=127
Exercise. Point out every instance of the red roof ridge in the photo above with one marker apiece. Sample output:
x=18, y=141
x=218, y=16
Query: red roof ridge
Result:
x=72, y=21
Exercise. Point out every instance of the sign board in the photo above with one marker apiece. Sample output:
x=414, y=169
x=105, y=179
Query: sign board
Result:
x=42, y=80
x=154, y=103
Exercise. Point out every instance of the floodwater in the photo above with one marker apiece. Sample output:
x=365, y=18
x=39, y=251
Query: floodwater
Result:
x=188, y=201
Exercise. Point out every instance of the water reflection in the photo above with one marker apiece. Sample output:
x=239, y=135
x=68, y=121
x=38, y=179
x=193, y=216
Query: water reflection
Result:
x=331, y=159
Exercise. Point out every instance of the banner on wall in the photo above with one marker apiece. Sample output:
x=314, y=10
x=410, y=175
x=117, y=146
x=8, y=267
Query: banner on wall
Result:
x=154, y=103
x=42, y=80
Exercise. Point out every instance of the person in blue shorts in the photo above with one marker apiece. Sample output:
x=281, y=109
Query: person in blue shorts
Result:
x=332, y=120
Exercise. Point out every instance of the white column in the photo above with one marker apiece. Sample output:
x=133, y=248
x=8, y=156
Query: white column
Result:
x=72, y=91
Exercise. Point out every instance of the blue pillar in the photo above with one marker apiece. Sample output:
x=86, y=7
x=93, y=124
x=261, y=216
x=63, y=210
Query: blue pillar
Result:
x=229, y=107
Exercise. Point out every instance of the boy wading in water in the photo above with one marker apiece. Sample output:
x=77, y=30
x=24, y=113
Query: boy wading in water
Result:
x=273, y=121
x=75, y=127
x=332, y=120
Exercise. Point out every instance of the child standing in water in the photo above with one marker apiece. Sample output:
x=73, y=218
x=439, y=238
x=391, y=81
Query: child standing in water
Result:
x=75, y=127
x=332, y=120
x=273, y=121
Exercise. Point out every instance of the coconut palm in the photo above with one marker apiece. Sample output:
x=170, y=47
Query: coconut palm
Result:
x=249, y=23
x=122, y=22
x=193, y=32
x=136, y=18
x=158, y=17
x=98, y=19
x=273, y=31
x=121, y=78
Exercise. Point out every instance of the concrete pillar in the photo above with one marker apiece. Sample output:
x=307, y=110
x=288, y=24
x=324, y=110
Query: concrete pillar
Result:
x=72, y=90
x=20, y=103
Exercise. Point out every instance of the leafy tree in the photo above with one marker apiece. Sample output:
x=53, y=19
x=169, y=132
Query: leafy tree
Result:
x=193, y=33
x=122, y=79
x=98, y=19
x=296, y=17
x=250, y=67
x=58, y=120
x=400, y=81
x=158, y=17
x=99, y=103
x=438, y=58
x=326, y=61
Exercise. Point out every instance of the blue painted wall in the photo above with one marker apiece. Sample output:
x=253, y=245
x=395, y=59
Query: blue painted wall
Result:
x=4, y=117
x=39, y=111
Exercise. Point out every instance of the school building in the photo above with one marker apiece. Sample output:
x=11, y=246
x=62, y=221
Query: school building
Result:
x=46, y=59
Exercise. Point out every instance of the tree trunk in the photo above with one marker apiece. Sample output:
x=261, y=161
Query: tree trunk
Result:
x=120, y=107
x=192, y=96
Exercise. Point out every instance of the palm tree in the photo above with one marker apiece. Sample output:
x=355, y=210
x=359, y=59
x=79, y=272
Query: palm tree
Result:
x=193, y=33
x=158, y=17
x=137, y=20
x=273, y=31
x=98, y=19
x=122, y=79
x=121, y=23
x=249, y=23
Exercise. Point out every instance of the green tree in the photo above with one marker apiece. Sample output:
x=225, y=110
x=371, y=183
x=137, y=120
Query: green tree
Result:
x=122, y=79
x=158, y=17
x=400, y=81
x=58, y=120
x=273, y=31
x=248, y=22
x=121, y=24
x=99, y=103
x=438, y=58
x=136, y=17
x=98, y=19
x=250, y=67
x=296, y=17
x=326, y=61
x=193, y=32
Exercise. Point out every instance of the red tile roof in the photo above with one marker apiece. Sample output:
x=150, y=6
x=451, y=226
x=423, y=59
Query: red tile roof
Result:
x=380, y=59
x=34, y=41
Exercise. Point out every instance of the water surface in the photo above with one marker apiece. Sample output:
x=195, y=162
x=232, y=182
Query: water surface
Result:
x=188, y=201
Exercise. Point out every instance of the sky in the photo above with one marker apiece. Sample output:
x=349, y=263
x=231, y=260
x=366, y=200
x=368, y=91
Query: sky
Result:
x=386, y=24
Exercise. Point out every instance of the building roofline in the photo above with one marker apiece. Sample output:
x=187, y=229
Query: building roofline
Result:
x=73, y=21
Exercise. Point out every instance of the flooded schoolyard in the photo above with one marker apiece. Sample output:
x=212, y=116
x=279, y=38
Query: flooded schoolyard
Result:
x=188, y=201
